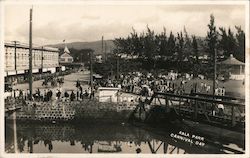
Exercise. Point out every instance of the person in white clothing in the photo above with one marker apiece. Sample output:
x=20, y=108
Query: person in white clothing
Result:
x=208, y=89
x=221, y=109
x=223, y=91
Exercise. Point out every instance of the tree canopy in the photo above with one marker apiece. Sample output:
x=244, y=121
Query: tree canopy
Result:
x=180, y=51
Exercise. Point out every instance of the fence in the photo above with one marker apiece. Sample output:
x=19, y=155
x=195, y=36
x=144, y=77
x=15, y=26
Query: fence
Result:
x=210, y=110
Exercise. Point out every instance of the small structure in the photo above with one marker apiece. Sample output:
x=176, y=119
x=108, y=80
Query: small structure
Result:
x=66, y=58
x=108, y=94
x=234, y=67
x=99, y=58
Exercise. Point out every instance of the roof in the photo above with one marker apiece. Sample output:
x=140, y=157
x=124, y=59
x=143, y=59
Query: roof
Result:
x=108, y=88
x=66, y=50
x=66, y=55
x=231, y=61
x=25, y=46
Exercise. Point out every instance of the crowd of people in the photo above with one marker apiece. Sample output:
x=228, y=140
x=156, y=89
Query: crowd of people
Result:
x=145, y=84
x=53, y=81
x=52, y=94
x=138, y=83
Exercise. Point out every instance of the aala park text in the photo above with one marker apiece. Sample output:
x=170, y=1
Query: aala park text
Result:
x=189, y=138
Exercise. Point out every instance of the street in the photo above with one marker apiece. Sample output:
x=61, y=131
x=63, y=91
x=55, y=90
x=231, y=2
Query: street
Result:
x=69, y=83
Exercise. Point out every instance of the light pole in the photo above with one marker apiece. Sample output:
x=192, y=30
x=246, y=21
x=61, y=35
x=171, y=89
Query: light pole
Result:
x=105, y=51
x=215, y=72
x=30, y=56
x=42, y=60
x=15, y=44
x=117, y=67
x=91, y=71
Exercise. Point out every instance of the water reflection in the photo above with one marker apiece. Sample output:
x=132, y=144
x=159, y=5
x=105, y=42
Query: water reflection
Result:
x=97, y=138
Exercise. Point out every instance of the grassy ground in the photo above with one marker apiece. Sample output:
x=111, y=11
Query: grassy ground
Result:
x=232, y=87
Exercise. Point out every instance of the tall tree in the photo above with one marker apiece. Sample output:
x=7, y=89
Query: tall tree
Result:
x=136, y=44
x=163, y=41
x=187, y=45
x=121, y=46
x=180, y=47
x=223, y=42
x=195, y=63
x=240, y=44
x=149, y=44
x=195, y=49
x=231, y=42
x=171, y=47
x=211, y=39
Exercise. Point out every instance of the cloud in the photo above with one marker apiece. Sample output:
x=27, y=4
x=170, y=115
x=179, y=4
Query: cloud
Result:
x=206, y=8
x=90, y=17
x=149, y=19
x=76, y=32
x=89, y=23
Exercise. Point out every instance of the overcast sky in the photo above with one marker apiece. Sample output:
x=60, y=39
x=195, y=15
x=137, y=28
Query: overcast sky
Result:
x=54, y=23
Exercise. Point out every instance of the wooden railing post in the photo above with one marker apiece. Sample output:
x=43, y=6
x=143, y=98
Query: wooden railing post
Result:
x=202, y=104
x=166, y=100
x=179, y=107
x=233, y=117
x=195, y=110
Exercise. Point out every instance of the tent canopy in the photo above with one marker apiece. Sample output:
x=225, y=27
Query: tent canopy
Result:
x=231, y=61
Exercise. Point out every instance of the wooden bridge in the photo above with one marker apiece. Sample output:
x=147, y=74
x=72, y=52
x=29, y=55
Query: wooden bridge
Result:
x=222, y=111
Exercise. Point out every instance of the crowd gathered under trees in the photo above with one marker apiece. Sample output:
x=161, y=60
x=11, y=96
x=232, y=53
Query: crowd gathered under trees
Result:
x=181, y=52
x=155, y=53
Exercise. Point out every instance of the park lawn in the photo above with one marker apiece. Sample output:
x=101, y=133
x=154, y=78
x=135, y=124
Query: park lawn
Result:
x=233, y=88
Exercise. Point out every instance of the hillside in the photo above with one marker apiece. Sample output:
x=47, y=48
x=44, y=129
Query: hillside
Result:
x=95, y=45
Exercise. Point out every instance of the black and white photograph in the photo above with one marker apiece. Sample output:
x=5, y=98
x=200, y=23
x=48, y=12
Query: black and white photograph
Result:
x=122, y=78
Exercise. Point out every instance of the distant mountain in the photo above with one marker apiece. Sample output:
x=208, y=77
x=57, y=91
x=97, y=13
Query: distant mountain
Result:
x=95, y=45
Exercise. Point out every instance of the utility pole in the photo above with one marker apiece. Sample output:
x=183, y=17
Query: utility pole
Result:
x=14, y=114
x=117, y=67
x=215, y=72
x=102, y=49
x=42, y=60
x=34, y=58
x=81, y=58
x=15, y=44
x=91, y=71
x=30, y=56
x=105, y=51
x=111, y=72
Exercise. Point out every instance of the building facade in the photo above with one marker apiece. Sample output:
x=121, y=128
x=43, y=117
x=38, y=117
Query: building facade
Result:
x=44, y=59
x=66, y=58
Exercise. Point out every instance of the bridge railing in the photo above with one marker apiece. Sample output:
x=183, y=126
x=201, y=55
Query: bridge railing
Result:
x=223, y=98
x=228, y=112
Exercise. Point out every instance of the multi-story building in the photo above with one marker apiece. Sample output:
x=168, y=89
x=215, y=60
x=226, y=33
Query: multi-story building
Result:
x=44, y=59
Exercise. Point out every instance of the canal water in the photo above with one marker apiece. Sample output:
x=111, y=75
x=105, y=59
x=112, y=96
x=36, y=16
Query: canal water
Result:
x=99, y=137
